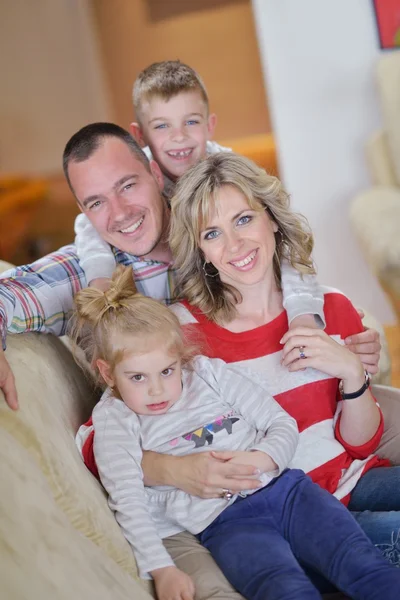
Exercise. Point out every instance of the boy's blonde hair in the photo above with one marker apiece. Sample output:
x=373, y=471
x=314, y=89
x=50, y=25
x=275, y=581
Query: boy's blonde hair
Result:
x=165, y=80
x=103, y=321
x=195, y=196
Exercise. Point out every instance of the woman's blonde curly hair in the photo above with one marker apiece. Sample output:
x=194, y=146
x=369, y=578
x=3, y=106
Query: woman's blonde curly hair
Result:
x=194, y=198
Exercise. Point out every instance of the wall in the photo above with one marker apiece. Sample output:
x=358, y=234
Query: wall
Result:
x=51, y=81
x=319, y=61
x=216, y=37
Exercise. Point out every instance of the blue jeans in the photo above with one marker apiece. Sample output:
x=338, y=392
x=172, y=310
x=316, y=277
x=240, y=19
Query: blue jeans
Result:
x=259, y=540
x=375, y=504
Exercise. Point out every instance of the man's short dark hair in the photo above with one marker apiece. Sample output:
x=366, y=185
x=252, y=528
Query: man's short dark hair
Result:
x=87, y=140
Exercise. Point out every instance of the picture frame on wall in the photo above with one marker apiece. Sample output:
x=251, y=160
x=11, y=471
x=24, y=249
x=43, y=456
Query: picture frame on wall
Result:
x=387, y=14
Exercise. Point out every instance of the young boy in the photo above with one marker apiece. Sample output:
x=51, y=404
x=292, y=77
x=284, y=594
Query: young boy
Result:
x=174, y=127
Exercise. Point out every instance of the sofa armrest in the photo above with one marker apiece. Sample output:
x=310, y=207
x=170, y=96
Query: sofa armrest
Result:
x=375, y=218
x=379, y=160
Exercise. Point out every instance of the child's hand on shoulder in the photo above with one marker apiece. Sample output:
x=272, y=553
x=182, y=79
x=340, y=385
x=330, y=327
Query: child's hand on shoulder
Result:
x=304, y=321
x=173, y=584
x=101, y=283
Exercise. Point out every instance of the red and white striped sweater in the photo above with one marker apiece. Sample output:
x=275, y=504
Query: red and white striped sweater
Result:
x=310, y=396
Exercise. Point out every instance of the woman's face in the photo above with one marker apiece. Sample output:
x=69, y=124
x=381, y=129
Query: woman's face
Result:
x=237, y=240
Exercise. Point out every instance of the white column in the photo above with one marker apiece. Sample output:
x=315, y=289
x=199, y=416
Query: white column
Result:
x=319, y=59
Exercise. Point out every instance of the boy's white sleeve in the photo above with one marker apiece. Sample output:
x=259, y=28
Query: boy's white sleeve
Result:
x=118, y=457
x=95, y=255
x=302, y=294
x=214, y=148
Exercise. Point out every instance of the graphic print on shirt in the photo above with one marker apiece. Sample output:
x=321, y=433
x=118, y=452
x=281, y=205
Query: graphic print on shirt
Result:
x=205, y=435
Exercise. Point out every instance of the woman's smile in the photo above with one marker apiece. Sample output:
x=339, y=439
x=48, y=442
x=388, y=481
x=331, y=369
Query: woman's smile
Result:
x=239, y=240
x=246, y=263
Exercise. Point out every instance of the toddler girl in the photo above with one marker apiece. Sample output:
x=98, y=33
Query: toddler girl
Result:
x=161, y=397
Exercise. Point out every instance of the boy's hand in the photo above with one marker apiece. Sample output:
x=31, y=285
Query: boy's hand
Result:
x=101, y=283
x=173, y=584
x=7, y=382
x=304, y=321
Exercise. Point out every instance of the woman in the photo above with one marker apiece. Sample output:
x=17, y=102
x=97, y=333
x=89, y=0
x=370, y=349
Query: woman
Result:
x=231, y=227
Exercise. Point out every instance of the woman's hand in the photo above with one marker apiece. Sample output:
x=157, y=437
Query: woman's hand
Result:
x=208, y=474
x=173, y=584
x=323, y=353
x=256, y=458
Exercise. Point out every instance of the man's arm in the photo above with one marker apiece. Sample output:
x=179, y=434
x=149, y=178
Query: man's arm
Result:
x=37, y=297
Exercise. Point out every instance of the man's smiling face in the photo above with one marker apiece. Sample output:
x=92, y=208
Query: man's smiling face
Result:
x=121, y=198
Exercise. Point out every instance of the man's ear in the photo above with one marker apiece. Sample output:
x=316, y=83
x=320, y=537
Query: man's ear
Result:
x=157, y=174
x=136, y=132
x=105, y=371
x=212, y=123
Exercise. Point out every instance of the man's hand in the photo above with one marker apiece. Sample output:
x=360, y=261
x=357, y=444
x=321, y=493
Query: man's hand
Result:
x=173, y=584
x=368, y=347
x=7, y=382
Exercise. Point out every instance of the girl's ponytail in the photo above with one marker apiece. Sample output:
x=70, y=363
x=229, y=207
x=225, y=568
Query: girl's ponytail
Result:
x=93, y=305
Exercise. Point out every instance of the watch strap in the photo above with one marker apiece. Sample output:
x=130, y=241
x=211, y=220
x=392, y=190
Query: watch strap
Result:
x=358, y=393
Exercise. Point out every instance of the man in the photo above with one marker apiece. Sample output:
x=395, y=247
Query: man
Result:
x=120, y=192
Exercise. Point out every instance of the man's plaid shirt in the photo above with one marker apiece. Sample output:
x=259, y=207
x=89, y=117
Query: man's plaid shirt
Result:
x=39, y=297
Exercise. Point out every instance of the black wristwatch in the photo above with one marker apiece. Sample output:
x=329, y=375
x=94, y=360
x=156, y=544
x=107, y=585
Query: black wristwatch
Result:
x=359, y=392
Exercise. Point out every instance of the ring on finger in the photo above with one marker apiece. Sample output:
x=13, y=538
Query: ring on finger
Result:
x=226, y=494
x=301, y=351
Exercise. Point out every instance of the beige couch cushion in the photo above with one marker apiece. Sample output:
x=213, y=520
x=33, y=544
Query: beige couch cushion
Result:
x=42, y=556
x=54, y=400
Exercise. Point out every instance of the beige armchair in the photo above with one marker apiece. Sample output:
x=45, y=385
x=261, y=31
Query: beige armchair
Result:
x=375, y=213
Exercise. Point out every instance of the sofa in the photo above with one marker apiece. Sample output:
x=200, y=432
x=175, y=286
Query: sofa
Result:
x=58, y=538
x=375, y=212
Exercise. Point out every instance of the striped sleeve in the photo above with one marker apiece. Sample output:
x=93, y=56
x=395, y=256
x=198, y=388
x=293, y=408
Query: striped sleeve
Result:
x=39, y=297
x=246, y=391
x=365, y=450
x=302, y=294
x=348, y=321
x=118, y=456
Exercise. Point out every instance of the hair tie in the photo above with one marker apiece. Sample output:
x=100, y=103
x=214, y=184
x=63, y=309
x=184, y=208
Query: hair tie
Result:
x=110, y=302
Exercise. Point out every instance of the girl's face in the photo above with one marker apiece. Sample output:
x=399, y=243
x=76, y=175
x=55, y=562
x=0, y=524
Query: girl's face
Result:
x=149, y=383
x=238, y=240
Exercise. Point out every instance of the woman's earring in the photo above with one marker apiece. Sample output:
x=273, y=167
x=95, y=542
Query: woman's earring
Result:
x=208, y=274
x=278, y=242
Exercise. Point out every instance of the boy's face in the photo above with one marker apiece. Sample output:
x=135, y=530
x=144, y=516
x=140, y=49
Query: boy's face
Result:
x=176, y=130
x=148, y=383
